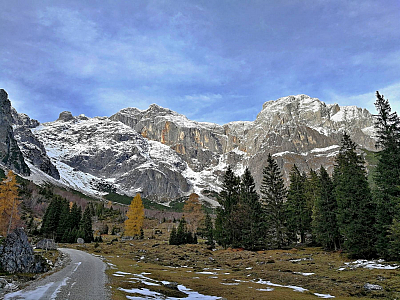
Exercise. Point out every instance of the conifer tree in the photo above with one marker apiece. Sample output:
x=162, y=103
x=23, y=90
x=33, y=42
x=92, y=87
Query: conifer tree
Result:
x=209, y=230
x=356, y=211
x=86, y=231
x=172, y=237
x=181, y=233
x=249, y=213
x=135, y=216
x=387, y=178
x=324, y=221
x=9, y=204
x=297, y=209
x=74, y=217
x=63, y=224
x=51, y=217
x=228, y=198
x=273, y=196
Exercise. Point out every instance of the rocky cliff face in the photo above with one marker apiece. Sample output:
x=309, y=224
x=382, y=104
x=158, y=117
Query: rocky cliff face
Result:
x=163, y=155
x=295, y=129
x=32, y=149
x=17, y=256
x=10, y=154
x=94, y=152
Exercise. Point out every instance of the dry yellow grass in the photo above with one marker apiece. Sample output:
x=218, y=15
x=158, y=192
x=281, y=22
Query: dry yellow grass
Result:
x=183, y=264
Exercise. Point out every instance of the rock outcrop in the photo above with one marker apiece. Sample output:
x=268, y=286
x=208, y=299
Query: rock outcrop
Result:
x=32, y=149
x=17, y=256
x=10, y=154
x=46, y=244
x=164, y=155
x=296, y=129
x=65, y=116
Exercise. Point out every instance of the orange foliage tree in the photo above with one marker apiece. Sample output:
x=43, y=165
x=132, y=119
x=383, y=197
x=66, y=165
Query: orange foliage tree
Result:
x=193, y=211
x=9, y=204
x=135, y=216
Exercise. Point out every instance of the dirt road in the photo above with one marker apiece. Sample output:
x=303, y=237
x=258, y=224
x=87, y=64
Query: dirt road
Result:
x=82, y=278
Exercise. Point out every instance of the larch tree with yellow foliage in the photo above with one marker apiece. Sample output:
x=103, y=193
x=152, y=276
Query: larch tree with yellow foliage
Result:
x=193, y=211
x=135, y=216
x=9, y=204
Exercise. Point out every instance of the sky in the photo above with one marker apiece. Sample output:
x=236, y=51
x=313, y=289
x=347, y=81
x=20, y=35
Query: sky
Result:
x=212, y=60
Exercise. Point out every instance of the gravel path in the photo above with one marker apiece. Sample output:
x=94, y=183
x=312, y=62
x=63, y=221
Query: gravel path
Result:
x=82, y=278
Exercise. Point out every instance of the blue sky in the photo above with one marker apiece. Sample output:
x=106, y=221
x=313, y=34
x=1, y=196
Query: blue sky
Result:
x=215, y=61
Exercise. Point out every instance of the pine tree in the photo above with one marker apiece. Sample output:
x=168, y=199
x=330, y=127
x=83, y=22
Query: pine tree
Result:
x=228, y=198
x=181, y=233
x=172, y=237
x=249, y=213
x=324, y=221
x=273, y=196
x=74, y=217
x=311, y=193
x=9, y=204
x=387, y=177
x=297, y=209
x=209, y=230
x=51, y=217
x=86, y=230
x=135, y=216
x=355, y=213
x=63, y=224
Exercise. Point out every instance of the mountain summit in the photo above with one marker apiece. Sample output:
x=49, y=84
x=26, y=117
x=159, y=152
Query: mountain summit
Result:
x=164, y=155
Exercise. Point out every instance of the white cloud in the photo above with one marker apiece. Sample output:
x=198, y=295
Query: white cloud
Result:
x=208, y=97
x=128, y=54
x=366, y=100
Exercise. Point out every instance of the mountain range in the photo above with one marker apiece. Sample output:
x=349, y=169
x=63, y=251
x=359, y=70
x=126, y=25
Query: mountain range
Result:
x=164, y=155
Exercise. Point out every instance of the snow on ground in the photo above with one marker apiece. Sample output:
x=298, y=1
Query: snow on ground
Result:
x=293, y=287
x=66, y=141
x=38, y=293
x=371, y=131
x=326, y=149
x=146, y=293
x=304, y=274
x=324, y=296
x=368, y=264
x=346, y=113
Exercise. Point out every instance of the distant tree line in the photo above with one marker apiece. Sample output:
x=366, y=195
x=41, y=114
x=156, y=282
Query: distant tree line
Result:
x=64, y=221
x=341, y=211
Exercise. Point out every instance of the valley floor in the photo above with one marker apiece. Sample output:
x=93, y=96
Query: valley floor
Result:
x=148, y=269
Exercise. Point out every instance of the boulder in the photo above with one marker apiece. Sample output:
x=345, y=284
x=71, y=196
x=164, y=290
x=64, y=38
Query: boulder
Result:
x=17, y=256
x=80, y=241
x=3, y=283
x=46, y=244
x=372, y=287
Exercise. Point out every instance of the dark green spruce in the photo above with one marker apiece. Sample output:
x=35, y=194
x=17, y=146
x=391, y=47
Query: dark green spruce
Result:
x=356, y=210
x=273, y=197
x=324, y=223
x=387, y=179
x=298, y=211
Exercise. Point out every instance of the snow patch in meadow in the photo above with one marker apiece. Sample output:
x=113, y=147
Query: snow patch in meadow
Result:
x=304, y=274
x=368, y=264
x=324, y=296
x=293, y=287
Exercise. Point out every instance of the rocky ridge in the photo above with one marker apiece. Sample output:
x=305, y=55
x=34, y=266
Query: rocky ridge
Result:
x=295, y=129
x=10, y=154
x=163, y=155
